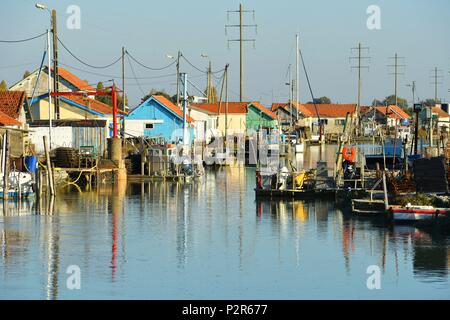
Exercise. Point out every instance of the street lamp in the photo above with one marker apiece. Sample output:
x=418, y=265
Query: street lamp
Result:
x=49, y=83
x=42, y=7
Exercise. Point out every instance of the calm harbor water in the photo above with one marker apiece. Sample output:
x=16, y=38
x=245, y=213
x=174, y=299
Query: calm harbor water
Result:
x=212, y=240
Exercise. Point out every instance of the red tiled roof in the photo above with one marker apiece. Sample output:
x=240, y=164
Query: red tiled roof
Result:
x=73, y=79
x=394, y=112
x=91, y=104
x=233, y=107
x=277, y=105
x=326, y=110
x=6, y=120
x=11, y=102
x=171, y=106
x=441, y=113
x=260, y=107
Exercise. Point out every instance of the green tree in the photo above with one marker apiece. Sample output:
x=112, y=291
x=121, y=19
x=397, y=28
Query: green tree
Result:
x=321, y=100
x=377, y=102
x=390, y=100
x=107, y=99
x=3, y=86
x=154, y=92
x=26, y=74
x=429, y=102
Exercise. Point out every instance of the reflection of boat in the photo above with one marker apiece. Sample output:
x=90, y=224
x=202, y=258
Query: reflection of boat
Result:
x=414, y=213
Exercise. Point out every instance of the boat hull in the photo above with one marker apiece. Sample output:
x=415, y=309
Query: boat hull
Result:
x=415, y=215
x=295, y=194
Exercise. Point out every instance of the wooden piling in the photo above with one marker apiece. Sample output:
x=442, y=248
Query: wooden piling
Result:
x=6, y=167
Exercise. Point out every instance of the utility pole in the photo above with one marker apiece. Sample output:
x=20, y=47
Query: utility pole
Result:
x=241, y=40
x=123, y=80
x=226, y=102
x=185, y=142
x=209, y=85
x=413, y=89
x=55, y=63
x=178, y=78
x=360, y=58
x=436, y=76
x=49, y=84
x=290, y=95
x=396, y=74
x=122, y=127
x=297, y=73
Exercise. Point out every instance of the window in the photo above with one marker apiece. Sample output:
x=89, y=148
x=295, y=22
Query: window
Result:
x=339, y=122
x=149, y=126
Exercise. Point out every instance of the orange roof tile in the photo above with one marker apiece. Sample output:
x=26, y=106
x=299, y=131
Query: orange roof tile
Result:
x=326, y=110
x=11, y=103
x=441, y=113
x=169, y=104
x=6, y=120
x=277, y=105
x=73, y=79
x=393, y=111
x=260, y=107
x=91, y=104
x=233, y=107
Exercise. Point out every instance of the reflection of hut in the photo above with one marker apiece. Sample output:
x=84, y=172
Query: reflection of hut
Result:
x=430, y=259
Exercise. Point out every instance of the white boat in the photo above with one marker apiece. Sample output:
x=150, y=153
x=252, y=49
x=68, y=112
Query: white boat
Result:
x=415, y=213
x=20, y=184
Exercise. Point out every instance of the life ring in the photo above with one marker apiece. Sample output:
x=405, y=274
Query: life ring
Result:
x=350, y=157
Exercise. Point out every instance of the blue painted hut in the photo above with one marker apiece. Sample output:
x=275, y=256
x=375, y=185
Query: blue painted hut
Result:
x=158, y=117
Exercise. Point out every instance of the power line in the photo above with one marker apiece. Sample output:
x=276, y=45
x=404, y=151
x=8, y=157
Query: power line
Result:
x=135, y=78
x=147, y=67
x=117, y=76
x=87, y=64
x=197, y=68
x=24, y=40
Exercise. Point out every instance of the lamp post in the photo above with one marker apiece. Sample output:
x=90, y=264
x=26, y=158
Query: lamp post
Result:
x=53, y=26
x=178, y=74
x=49, y=74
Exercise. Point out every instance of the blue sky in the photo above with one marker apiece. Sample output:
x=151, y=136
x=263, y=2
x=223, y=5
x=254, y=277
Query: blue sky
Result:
x=417, y=29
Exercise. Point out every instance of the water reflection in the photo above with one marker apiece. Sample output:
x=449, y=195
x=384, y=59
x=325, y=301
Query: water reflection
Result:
x=210, y=239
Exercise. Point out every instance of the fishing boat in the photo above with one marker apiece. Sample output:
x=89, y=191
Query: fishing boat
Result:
x=368, y=206
x=416, y=212
x=289, y=184
x=21, y=185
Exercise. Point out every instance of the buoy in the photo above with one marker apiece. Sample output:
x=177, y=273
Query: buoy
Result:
x=350, y=157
